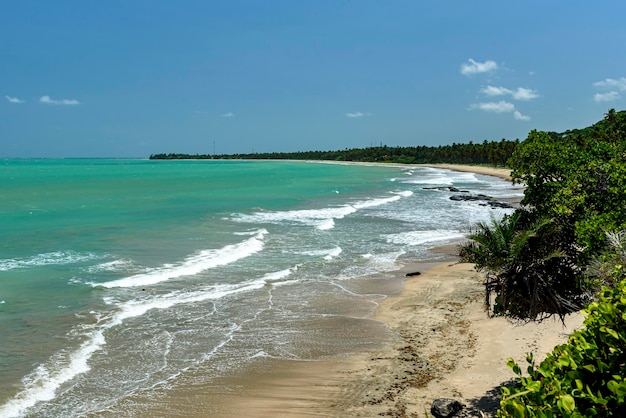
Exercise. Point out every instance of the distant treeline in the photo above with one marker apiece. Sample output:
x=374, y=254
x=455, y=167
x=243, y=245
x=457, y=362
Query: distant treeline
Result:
x=494, y=153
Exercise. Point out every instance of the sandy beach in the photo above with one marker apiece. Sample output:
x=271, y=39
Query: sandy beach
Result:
x=443, y=344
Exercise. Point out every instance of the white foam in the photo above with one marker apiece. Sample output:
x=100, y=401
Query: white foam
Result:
x=46, y=259
x=333, y=253
x=405, y=193
x=193, y=264
x=438, y=180
x=444, y=177
x=111, y=266
x=415, y=238
x=327, y=254
x=42, y=384
x=322, y=219
x=278, y=275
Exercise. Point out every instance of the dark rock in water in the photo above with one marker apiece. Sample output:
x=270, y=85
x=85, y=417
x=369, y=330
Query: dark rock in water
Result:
x=502, y=205
x=481, y=197
x=470, y=197
x=415, y=273
x=446, y=189
x=445, y=408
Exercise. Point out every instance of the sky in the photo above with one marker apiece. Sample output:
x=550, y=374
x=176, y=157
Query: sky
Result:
x=130, y=78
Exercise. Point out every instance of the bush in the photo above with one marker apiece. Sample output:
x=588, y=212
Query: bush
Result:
x=583, y=378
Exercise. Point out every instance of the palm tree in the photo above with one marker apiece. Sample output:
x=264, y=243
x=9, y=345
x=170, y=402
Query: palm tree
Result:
x=531, y=276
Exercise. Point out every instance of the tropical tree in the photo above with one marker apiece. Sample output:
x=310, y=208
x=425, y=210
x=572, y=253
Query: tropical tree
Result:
x=578, y=177
x=525, y=267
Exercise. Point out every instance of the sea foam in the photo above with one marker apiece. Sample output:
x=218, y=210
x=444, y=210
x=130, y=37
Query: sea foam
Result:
x=193, y=264
x=414, y=238
x=46, y=259
x=323, y=218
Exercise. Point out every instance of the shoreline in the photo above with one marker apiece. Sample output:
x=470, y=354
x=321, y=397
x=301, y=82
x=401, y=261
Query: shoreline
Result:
x=442, y=345
x=502, y=173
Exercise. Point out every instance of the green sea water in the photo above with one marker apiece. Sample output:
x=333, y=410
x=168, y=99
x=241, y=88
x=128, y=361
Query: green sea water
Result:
x=121, y=278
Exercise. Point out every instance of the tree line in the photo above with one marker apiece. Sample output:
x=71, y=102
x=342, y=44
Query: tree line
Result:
x=494, y=153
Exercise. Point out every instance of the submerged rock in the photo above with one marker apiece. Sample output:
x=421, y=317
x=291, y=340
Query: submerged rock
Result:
x=446, y=189
x=482, y=197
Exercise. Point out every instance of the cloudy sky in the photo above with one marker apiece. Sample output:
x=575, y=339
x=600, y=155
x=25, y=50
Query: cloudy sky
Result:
x=128, y=78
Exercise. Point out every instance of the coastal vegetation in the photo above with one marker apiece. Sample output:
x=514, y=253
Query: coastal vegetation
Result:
x=494, y=153
x=538, y=260
x=563, y=250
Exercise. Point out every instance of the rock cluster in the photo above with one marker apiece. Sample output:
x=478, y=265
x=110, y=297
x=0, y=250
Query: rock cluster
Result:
x=467, y=196
x=481, y=197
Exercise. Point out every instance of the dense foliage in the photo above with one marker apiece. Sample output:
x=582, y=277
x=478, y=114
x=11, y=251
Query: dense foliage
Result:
x=578, y=177
x=552, y=256
x=488, y=152
x=537, y=259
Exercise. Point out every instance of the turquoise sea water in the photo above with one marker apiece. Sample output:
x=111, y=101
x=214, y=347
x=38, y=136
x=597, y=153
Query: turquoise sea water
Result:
x=123, y=279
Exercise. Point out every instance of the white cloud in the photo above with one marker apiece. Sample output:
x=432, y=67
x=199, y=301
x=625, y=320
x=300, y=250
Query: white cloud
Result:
x=48, y=100
x=518, y=116
x=520, y=94
x=14, y=99
x=358, y=114
x=228, y=115
x=495, y=107
x=524, y=94
x=500, y=107
x=472, y=67
x=606, y=97
x=495, y=91
x=612, y=83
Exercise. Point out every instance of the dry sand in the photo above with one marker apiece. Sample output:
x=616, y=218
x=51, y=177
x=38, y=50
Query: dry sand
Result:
x=443, y=345
x=446, y=346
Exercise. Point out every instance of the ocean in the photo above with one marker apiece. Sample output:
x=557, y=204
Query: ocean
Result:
x=124, y=280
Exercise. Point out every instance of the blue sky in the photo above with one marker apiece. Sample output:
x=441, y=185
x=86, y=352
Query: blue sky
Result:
x=131, y=78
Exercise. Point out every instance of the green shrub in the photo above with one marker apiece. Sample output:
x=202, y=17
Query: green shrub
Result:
x=583, y=378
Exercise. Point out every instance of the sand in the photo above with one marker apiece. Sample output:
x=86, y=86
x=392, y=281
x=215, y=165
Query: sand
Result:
x=443, y=344
x=446, y=346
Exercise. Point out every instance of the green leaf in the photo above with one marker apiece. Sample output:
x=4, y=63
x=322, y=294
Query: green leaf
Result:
x=579, y=384
x=613, y=333
x=567, y=403
x=564, y=361
x=590, y=367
